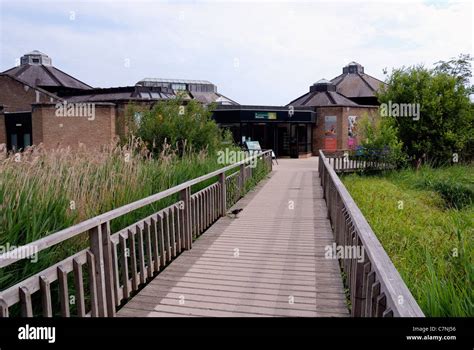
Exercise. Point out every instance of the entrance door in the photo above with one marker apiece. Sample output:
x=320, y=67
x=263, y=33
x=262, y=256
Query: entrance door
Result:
x=283, y=143
x=19, y=131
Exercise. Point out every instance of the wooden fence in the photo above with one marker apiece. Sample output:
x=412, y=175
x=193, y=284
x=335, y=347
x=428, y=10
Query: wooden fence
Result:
x=116, y=265
x=376, y=287
x=349, y=161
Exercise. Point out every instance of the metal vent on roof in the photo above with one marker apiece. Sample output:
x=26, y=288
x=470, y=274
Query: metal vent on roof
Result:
x=322, y=81
x=322, y=85
x=37, y=58
x=353, y=67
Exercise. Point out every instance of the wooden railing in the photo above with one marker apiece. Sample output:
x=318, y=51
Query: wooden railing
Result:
x=116, y=265
x=376, y=288
x=349, y=161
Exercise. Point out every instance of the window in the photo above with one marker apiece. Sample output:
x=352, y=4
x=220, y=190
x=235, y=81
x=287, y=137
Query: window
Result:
x=14, y=142
x=26, y=140
x=178, y=86
x=36, y=60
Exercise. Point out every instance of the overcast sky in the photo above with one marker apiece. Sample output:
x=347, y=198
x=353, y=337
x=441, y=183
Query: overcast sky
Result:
x=263, y=52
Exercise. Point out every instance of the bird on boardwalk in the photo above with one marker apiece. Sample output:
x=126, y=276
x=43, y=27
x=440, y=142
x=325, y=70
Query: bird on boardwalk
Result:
x=235, y=212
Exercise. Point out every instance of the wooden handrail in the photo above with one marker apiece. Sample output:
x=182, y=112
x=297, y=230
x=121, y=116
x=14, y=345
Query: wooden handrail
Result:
x=118, y=264
x=65, y=234
x=376, y=287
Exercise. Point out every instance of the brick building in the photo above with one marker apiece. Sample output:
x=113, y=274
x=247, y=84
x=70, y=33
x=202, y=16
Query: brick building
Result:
x=42, y=104
x=336, y=114
x=323, y=118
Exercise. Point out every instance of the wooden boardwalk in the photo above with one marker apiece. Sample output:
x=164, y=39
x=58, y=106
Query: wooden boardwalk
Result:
x=269, y=261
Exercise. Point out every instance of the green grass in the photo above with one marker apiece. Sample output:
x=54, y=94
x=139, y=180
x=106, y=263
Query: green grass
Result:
x=430, y=240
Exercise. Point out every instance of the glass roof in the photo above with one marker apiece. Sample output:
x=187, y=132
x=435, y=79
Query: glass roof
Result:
x=183, y=81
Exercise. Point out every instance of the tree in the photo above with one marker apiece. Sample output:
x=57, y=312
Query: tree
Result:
x=459, y=67
x=379, y=140
x=445, y=123
x=185, y=125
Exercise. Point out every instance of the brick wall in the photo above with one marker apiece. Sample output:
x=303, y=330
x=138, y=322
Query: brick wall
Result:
x=62, y=131
x=18, y=97
x=358, y=112
x=342, y=114
x=318, y=131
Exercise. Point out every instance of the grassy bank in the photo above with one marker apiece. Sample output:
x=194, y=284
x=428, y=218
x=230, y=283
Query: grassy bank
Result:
x=46, y=191
x=424, y=221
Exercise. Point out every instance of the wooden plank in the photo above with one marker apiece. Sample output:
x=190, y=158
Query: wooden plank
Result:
x=45, y=289
x=368, y=294
x=133, y=258
x=161, y=239
x=381, y=305
x=96, y=246
x=141, y=255
x=387, y=313
x=155, y=244
x=115, y=273
x=124, y=254
x=108, y=269
x=374, y=295
x=25, y=300
x=3, y=308
x=173, y=233
x=79, y=288
x=148, y=249
x=63, y=292
x=166, y=227
x=177, y=229
x=92, y=284
x=204, y=211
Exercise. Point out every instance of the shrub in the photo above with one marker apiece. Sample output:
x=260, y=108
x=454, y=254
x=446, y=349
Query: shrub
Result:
x=186, y=125
x=380, y=141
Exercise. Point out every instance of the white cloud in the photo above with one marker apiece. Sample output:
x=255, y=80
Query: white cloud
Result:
x=281, y=47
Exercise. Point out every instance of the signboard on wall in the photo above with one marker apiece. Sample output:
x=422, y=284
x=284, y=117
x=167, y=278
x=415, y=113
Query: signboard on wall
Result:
x=330, y=132
x=351, y=132
x=266, y=115
x=330, y=126
x=253, y=146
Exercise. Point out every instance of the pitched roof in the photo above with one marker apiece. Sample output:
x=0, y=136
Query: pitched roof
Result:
x=353, y=82
x=322, y=99
x=322, y=93
x=39, y=75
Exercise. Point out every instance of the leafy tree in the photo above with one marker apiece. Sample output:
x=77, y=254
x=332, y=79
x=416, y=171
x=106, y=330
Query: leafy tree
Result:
x=459, y=67
x=185, y=125
x=445, y=125
x=379, y=140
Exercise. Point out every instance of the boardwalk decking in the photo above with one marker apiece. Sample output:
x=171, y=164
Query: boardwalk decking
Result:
x=267, y=262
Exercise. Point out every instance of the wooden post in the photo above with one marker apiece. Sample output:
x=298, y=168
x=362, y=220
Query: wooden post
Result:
x=101, y=248
x=3, y=308
x=242, y=180
x=223, y=197
x=185, y=196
